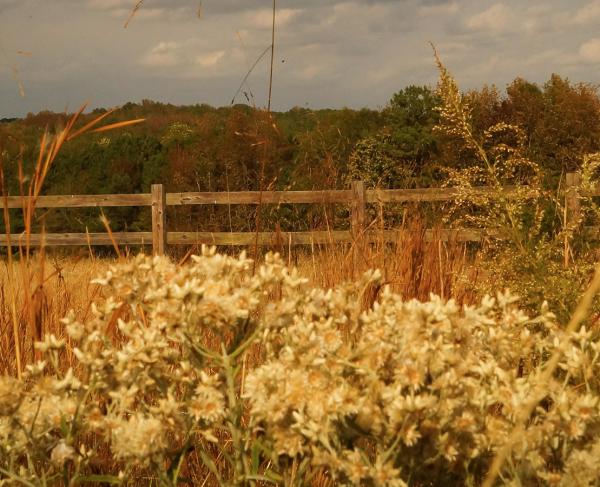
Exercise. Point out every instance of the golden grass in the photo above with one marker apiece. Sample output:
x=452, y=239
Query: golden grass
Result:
x=39, y=307
x=38, y=291
x=412, y=266
x=28, y=273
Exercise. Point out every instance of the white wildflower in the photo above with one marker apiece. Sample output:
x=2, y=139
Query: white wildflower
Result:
x=62, y=453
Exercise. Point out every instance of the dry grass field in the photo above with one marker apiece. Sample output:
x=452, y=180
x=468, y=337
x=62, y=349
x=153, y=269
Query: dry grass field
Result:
x=39, y=291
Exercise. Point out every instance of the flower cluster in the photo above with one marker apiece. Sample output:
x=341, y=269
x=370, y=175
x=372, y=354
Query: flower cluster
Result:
x=148, y=377
x=285, y=380
x=409, y=389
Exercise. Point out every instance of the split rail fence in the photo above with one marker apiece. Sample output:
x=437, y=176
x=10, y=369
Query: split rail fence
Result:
x=357, y=198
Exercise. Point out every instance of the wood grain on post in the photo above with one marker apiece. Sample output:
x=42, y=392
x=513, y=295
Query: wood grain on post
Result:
x=359, y=198
x=358, y=207
x=323, y=237
x=572, y=213
x=428, y=194
x=248, y=197
x=159, y=219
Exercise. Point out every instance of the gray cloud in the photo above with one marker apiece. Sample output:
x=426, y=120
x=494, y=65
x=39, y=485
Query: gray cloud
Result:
x=7, y=3
x=328, y=52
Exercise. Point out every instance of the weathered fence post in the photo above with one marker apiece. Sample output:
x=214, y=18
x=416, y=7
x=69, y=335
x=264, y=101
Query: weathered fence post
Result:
x=572, y=210
x=358, y=219
x=159, y=219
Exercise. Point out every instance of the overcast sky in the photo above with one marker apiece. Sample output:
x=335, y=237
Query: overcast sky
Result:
x=55, y=54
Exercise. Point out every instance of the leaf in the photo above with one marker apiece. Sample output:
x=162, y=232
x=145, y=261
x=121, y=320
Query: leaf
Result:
x=117, y=125
x=256, y=447
x=64, y=426
x=108, y=479
x=210, y=464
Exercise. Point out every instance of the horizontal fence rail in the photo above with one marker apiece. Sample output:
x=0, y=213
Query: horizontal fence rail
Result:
x=158, y=200
x=73, y=239
x=243, y=198
x=257, y=197
x=236, y=238
x=78, y=201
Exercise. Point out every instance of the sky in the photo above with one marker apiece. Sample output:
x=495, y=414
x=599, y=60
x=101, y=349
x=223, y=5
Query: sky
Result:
x=57, y=54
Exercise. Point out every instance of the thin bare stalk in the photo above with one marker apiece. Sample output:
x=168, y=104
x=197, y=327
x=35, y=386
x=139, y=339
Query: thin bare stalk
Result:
x=272, y=56
x=11, y=280
x=134, y=10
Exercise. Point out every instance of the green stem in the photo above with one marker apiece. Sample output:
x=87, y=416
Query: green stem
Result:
x=241, y=466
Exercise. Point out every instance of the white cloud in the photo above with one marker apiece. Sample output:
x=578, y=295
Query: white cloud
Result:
x=190, y=58
x=164, y=54
x=310, y=62
x=488, y=66
x=210, y=59
x=496, y=19
x=589, y=51
x=587, y=14
x=263, y=19
x=122, y=9
x=336, y=52
x=309, y=72
x=449, y=49
x=549, y=57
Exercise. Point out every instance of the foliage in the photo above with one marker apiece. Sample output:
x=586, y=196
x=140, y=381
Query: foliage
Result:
x=523, y=254
x=202, y=148
x=396, y=156
x=177, y=133
x=410, y=116
x=499, y=160
x=379, y=162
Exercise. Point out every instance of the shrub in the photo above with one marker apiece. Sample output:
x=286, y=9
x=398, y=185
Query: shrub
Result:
x=283, y=380
x=530, y=247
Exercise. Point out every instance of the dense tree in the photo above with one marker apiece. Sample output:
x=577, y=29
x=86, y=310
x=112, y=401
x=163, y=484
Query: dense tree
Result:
x=404, y=146
x=561, y=120
x=202, y=148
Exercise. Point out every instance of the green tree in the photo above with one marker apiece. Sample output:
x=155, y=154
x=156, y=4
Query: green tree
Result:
x=405, y=147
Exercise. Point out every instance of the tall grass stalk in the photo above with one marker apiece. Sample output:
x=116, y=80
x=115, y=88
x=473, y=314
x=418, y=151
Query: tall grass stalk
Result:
x=29, y=274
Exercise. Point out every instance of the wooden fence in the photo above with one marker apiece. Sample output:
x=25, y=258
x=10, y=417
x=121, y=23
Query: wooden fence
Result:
x=357, y=197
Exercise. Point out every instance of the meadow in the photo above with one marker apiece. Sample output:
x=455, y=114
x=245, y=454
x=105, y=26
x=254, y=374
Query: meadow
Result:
x=421, y=362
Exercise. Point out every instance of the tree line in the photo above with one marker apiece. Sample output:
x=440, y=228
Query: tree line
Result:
x=203, y=148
